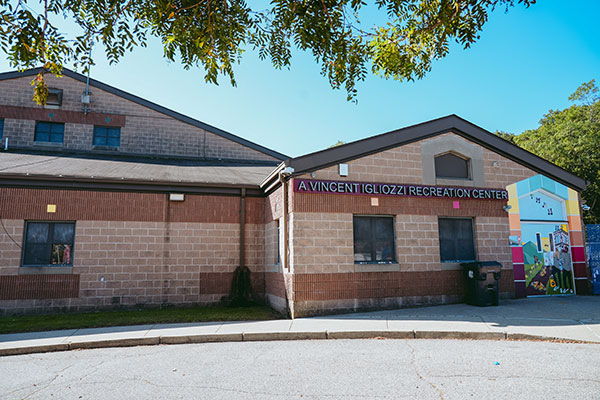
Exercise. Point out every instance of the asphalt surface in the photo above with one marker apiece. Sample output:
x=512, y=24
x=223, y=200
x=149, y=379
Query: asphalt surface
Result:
x=325, y=369
x=569, y=318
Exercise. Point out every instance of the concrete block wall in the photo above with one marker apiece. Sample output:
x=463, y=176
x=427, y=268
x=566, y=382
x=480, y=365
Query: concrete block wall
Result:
x=398, y=165
x=139, y=249
x=275, y=283
x=323, y=243
x=145, y=131
x=325, y=275
x=403, y=164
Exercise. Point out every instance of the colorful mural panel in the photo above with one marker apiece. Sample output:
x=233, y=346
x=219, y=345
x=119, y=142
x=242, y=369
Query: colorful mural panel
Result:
x=542, y=221
x=547, y=259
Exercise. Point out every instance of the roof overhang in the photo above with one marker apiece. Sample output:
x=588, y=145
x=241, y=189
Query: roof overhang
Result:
x=452, y=123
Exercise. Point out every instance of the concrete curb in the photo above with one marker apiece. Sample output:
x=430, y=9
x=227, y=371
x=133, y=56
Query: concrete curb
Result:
x=263, y=336
x=207, y=338
x=461, y=335
x=268, y=336
x=128, y=342
x=370, y=334
x=15, y=351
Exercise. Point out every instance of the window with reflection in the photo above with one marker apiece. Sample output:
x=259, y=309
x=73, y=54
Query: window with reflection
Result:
x=374, y=239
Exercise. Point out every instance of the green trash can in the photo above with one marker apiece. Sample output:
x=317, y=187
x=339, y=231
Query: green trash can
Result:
x=482, y=282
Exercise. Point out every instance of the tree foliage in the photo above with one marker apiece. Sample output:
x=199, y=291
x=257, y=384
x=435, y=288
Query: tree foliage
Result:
x=213, y=34
x=570, y=138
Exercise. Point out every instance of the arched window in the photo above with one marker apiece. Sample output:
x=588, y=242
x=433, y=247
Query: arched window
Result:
x=451, y=166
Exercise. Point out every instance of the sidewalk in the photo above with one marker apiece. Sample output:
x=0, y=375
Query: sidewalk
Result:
x=575, y=318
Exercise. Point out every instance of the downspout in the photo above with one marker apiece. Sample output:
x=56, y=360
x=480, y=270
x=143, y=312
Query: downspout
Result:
x=285, y=263
x=287, y=172
x=242, y=227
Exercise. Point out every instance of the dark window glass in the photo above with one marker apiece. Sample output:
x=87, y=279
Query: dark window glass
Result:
x=457, y=241
x=374, y=239
x=1, y=128
x=54, y=97
x=107, y=136
x=48, y=243
x=52, y=132
x=451, y=166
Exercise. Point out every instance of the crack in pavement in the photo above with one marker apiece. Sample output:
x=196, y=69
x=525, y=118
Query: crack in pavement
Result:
x=242, y=391
x=45, y=385
x=413, y=355
x=529, y=377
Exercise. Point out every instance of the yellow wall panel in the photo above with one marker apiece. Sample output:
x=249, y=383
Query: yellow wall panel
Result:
x=573, y=195
x=572, y=207
x=514, y=203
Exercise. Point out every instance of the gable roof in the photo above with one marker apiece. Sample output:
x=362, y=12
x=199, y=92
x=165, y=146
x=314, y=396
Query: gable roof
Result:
x=153, y=106
x=451, y=123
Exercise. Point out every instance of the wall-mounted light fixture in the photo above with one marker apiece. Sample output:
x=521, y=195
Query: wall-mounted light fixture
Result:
x=585, y=207
x=506, y=207
x=176, y=197
x=287, y=171
x=343, y=169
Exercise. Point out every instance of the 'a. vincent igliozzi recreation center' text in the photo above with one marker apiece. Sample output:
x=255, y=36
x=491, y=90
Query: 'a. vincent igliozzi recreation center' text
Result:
x=390, y=189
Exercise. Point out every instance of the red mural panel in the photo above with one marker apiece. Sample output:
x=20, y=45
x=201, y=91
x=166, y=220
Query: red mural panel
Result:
x=578, y=254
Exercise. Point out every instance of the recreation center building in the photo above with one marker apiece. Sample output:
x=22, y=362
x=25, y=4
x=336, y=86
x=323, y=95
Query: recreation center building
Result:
x=108, y=200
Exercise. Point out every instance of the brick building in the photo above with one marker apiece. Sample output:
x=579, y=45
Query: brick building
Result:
x=111, y=200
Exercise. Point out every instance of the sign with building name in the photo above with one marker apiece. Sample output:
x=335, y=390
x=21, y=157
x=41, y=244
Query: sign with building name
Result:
x=398, y=190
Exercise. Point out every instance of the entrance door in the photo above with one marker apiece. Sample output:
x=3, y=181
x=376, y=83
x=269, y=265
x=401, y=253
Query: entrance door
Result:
x=547, y=258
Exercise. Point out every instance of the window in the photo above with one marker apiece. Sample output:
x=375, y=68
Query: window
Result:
x=54, y=99
x=1, y=128
x=451, y=166
x=374, y=240
x=51, y=132
x=457, y=241
x=48, y=244
x=107, y=136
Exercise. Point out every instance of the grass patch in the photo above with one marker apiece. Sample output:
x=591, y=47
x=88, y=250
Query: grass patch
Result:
x=49, y=322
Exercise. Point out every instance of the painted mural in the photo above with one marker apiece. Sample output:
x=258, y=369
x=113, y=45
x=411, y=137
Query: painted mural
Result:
x=545, y=237
x=547, y=259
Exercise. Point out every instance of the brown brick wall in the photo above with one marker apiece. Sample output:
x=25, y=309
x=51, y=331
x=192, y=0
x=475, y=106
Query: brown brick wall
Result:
x=77, y=205
x=316, y=294
x=50, y=115
x=19, y=287
x=145, y=131
x=275, y=284
x=309, y=287
x=129, y=263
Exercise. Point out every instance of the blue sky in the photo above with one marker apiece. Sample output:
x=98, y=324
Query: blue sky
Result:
x=527, y=61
